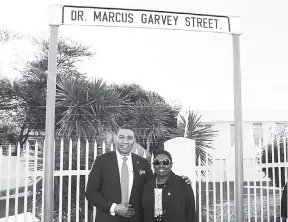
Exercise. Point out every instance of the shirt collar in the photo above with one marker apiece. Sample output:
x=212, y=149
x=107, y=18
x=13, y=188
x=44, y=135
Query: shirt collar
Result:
x=119, y=156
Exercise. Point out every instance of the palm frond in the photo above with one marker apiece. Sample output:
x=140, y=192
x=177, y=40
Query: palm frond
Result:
x=89, y=107
x=203, y=136
x=149, y=118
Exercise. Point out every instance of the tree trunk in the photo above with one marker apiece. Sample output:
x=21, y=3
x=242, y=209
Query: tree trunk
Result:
x=23, y=137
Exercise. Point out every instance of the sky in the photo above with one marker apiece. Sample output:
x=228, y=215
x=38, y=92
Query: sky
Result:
x=193, y=68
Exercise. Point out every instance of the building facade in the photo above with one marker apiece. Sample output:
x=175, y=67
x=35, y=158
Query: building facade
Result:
x=259, y=126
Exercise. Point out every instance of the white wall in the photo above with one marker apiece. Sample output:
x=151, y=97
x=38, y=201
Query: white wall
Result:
x=222, y=119
x=223, y=150
x=222, y=142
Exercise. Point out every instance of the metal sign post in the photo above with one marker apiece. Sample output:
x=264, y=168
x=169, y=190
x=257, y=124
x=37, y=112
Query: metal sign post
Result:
x=238, y=131
x=50, y=126
x=138, y=18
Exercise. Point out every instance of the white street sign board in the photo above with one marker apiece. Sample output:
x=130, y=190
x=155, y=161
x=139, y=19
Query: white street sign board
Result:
x=138, y=18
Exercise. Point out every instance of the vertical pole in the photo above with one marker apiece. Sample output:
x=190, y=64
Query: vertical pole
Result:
x=50, y=125
x=238, y=131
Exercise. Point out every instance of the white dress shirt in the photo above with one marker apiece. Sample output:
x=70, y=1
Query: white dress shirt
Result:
x=158, y=207
x=131, y=175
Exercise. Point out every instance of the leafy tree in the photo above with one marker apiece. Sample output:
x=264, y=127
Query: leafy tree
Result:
x=7, y=136
x=133, y=92
x=7, y=94
x=30, y=89
x=6, y=36
x=7, y=97
x=69, y=54
x=8, y=118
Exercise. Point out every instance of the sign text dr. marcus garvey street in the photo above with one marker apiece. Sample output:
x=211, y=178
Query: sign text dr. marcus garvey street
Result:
x=134, y=18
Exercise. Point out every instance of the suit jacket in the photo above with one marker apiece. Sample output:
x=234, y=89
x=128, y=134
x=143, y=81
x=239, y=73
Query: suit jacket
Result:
x=178, y=203
x=103, y=187
x=284, y=206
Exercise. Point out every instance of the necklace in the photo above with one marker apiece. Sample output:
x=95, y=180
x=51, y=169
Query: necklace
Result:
x=157, y=184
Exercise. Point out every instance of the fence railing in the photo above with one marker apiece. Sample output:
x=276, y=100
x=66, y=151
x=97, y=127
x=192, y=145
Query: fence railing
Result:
x=264, y=177
x=21, y=183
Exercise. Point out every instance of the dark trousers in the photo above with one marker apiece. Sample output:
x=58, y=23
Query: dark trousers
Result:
x=123, y=219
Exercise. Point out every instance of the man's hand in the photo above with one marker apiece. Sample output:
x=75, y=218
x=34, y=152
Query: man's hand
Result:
x=187, y=179
x=124, y=210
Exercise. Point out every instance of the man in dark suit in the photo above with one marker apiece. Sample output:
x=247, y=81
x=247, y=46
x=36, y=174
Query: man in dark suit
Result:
x=116, y=179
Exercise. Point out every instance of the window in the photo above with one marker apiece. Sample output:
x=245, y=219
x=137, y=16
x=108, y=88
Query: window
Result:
x=221, y=165
x=257, y=133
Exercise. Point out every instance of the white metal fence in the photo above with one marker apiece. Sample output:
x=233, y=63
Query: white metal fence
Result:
x=21, y=184
x=215, y=185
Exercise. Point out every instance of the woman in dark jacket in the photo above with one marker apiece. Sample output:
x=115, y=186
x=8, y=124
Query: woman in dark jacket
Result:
x=167, y=197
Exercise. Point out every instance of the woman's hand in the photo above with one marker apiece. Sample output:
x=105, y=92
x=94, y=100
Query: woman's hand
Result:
x=187, y=179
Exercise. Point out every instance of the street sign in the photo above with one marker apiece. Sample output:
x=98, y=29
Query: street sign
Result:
x=139, y=18
x=148, y=19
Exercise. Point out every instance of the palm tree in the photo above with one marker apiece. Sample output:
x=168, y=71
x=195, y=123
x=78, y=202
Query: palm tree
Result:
x=203, y=136
x=150, y=118
x=91, y=108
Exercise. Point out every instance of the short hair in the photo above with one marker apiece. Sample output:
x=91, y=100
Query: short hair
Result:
x=163, y=152
x=125, y=127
